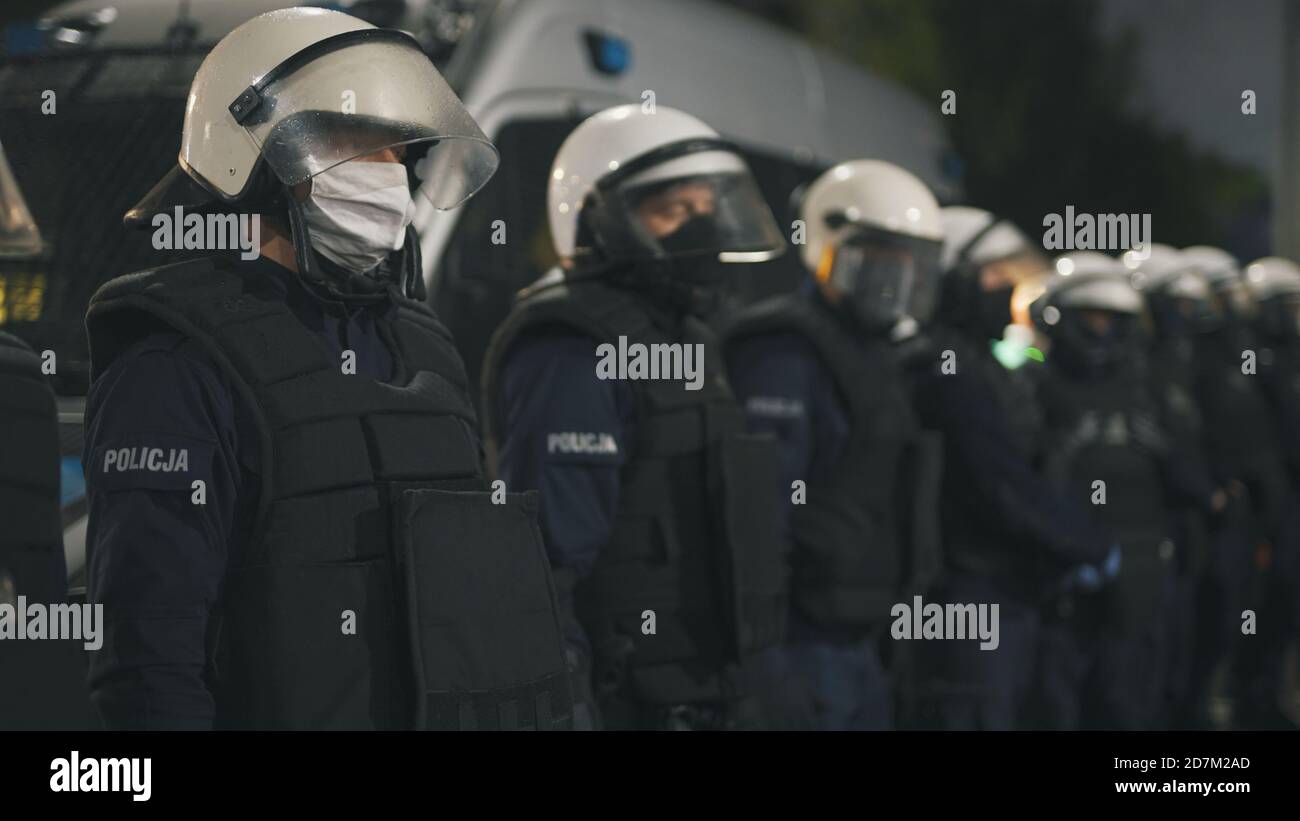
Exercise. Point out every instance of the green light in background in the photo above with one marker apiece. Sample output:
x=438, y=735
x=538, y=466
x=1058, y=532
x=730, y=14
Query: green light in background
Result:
x=1009, y=353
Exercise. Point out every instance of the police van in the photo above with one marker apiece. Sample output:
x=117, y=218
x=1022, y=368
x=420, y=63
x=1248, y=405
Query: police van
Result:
x=92, y=95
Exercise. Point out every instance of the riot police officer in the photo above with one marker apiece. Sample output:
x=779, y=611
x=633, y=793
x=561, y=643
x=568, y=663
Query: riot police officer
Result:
x=1243, y=438
x=1274, y=287
x=1246, y=454
x=1103, y=652
x=289, y=519
x=1005, y=535
x=42, y=683
x=1274, y=284
x=31, y=546
x=821, y=371
x=654, y=500
x=1178, y=301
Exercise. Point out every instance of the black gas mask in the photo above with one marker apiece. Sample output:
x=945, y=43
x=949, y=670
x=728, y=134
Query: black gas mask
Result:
x=696, y=279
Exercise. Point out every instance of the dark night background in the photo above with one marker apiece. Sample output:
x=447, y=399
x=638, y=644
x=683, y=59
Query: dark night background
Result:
x=1112, y=106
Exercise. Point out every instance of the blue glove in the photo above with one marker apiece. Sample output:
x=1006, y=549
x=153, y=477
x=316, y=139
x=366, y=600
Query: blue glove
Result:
x=1084, y=577
x=1110, y=565
x=1091, y=577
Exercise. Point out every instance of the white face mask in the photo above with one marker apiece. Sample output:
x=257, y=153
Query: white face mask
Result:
x=357, y=213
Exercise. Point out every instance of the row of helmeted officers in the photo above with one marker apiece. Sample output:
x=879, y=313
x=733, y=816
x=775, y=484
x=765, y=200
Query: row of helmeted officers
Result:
x=727, y=551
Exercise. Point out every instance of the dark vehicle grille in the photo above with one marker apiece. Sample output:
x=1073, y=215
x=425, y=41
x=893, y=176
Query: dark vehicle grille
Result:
x=114, y=133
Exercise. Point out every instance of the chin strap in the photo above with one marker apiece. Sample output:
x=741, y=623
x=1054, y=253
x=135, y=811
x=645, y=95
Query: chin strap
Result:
x=302, y=255
x=412, y=270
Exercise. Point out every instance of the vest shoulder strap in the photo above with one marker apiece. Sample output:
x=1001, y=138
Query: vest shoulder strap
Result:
x=591, y=308
x=200, y=299
x=424, y=342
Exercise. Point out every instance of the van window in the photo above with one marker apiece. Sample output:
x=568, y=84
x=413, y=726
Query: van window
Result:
x=477, y=279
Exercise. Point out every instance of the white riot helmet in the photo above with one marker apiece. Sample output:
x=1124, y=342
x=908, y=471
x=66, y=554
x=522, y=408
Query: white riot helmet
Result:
x=293, y=93
x=1272, y=277
x=1215, y=264
x=975, y=238
x=1275, y=285
x=1090, y=310
x=873, y=234
x=1178, y=296
x=630, y=185
x=1153, y=270
x=1091, y=279
x=1222, y=273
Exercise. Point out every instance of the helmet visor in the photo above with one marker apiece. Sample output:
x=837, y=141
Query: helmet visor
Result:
x=885, y=275
x=1289, y=306
x=1281, y=315
x=359, y=93
x=18, y=233
x=1237, y=300
x=718, y=213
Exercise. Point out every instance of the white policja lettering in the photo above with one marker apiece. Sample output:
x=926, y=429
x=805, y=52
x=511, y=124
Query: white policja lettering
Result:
x=151, y=459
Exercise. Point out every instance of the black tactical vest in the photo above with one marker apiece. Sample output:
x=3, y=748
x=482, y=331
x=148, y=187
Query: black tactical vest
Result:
x=1109, y=430
x=31, y=535
x=1280, y=378
x=695, y=537
x=979, y=537
x=867, y=536
x=1243, y=437
x=373, y=516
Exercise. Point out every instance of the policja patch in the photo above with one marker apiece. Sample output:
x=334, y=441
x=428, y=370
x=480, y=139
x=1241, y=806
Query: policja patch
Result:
x=151, y=462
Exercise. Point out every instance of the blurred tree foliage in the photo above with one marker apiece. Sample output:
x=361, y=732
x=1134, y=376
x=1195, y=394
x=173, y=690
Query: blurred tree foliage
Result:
x=1045, y=112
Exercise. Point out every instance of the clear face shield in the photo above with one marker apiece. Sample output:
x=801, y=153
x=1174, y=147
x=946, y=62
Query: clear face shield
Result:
x=882, y=276
x=19, y=236
x=695, y=198
x=355, y=94
x=1008, y=286
x=1096, y=339
x=1289, y=309
x=1197, y=314
x=1279, y=316
x=1235, y=302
